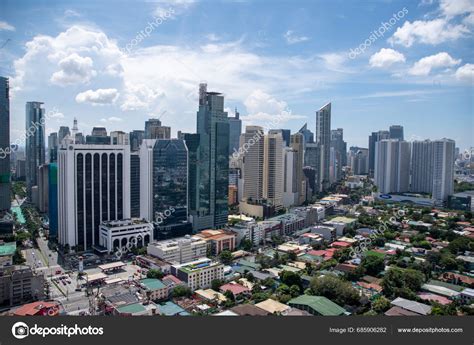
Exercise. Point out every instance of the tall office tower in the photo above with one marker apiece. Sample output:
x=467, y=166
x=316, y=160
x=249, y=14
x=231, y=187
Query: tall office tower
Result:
x=98, y=137
x=338, y=154
x=35, y=148
x=396, y=132
x=253, y=163
x=119, y=138
x=443, y=169
x=53, y=145
x=392, y=166
x=134, y=185
x=310, y=182
x=93, y=186
x=373, y=139
x=192, y=143
x=5, y=201
x=422, y=166
x=285, y=134
x=235, y=130
x=63, y=133
x=290, y=190
x=323, y=138
x=212, y=175
x=297, y=144
x=136, y=139
x=154, y=130
x=74, y=130
x=170, y=189
x=53, y=199
x=307, y=134
x=273, y=170
x=359, y=160
x=312, y=159
x=43, y=188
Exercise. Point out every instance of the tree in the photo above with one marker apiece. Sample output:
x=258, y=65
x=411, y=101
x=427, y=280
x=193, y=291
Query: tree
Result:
x=229, y=295
x=290, y=278
x=268, y=282
x=260, y=297
x=399, y=282
x=461, y=244
x=17, y=258
x=381, y=304
x=373, y=264
x=226, y=257
x=181, y=291
x=295, y=290
x=246, y=244
x=154, y=273
x=335, y=289
x=216, y=284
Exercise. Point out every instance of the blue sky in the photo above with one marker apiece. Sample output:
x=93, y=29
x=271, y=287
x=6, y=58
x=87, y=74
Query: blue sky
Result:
x=83, y=59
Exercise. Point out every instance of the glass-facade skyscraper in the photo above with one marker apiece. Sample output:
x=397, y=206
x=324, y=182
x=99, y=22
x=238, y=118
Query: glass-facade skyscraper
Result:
x=4, y=144
x=35, y=145
x=235, y=129
x=212, y=171
x=170, y=188
x=323, y=139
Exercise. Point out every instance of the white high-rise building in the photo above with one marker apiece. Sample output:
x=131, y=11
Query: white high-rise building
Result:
x=94, y=186
x=392, y=166
x=290, y=191
x=443, y=169
x=421, y=167
x=323, y=139
x=273, y=170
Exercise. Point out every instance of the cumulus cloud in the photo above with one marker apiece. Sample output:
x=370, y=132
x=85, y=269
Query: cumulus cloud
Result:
x=74, y=69
x=262, y=107
x=431, y=32
x=4, y=26
x=385, y=58
x=98, y=97
x=292, y=38
x=451, y=8
x=466, y=73
x=424, y=66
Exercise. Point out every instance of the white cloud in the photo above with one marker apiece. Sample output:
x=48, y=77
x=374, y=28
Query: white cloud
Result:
x=262, y=107
x=428, y=32
x=98, y=97
x=74, y=69
x=424, y=66
x=466, y=73
x=6, y=27
x=178, y=6
x=451, y=8
x=111, y=119
x=385, y=58
x=292, y=38
x=469, y=20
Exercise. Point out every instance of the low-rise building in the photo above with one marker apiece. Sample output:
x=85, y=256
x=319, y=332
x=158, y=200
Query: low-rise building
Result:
x=218, y=240
x=127, y=233
x=341, y=224
x=19, y=285
x=154, y=289
x=198, y=274
x=7, y=250
x=179, y=250
x=327, y=232
x=317, y=305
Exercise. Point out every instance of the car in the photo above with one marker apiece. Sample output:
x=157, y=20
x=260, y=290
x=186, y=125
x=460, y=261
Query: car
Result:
x=58, y=272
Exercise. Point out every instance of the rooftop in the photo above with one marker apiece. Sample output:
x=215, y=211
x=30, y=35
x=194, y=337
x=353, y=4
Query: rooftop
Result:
x=7, y=248
x=152, y=284
x=320, y=304
x=272, y=306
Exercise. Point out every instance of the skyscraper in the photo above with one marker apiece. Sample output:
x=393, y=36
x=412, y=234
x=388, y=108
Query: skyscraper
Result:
x=98, y=137
x=154, y=130
x=35, y=146
x=62, y=133
x=53, y=145
x=253, y=163
x=290, y=191
x=94, y=186
x=170, y=188
x=422, y=167
x=392, y=166
x=4, y=144
x=119, y=138
x=134, y=185
x=297, y=144
x=212, y=175
x=136, y=138
x=235, y=129
x=339, y=155
x=323, y=138
x=359, y=160
x=373, y=139
x=273, y=170
x=307, y=134
x=396, y=132
x=443, y=169
x=312, y=159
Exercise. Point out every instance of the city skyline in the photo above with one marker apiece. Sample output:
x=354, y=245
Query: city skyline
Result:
x=405, y=77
